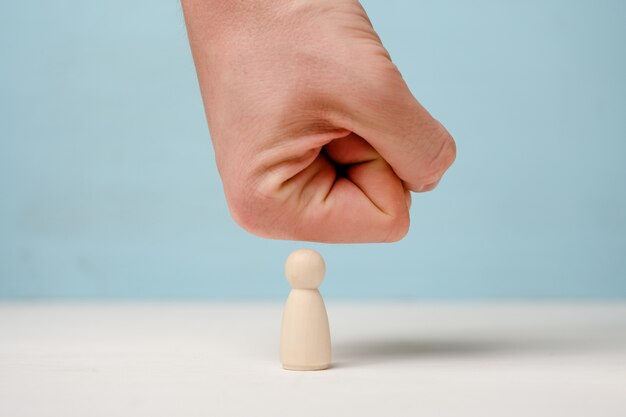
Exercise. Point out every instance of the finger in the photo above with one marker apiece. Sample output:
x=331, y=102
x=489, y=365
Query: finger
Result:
x=347, y=194
x=366, y=204
x=350, y=149
x=360, y=163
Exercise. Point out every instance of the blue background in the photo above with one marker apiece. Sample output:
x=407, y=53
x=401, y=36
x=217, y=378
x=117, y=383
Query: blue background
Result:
x=108, y=185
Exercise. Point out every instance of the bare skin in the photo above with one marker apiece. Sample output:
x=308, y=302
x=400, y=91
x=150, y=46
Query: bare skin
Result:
x=316, y=135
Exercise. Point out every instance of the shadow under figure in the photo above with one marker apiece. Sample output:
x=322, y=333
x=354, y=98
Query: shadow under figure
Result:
x=361, y=352
x=402, y=349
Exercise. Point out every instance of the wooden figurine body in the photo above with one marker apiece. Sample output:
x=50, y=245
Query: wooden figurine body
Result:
x=305, y=334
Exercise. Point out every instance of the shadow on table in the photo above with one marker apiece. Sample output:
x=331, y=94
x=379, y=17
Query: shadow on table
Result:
x=376, y=351
x=362, y=352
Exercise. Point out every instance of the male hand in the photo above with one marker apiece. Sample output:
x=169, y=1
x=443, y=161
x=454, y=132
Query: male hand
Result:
x=316, y=135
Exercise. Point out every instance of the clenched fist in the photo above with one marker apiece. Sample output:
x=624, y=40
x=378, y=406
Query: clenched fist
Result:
x=316, y=135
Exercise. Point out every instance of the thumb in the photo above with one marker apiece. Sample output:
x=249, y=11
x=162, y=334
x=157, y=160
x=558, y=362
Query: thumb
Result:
x=418, y=147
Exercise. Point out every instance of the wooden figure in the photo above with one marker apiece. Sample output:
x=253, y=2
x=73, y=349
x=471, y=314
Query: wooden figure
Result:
x=305, y=334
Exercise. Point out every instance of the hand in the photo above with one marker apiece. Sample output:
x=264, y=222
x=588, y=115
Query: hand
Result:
x=316, y=135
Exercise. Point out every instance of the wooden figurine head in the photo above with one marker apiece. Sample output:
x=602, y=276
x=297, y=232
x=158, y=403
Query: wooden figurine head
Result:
x=305, y=269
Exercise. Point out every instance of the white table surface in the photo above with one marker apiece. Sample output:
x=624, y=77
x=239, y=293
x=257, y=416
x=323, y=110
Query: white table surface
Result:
x=390, y=359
